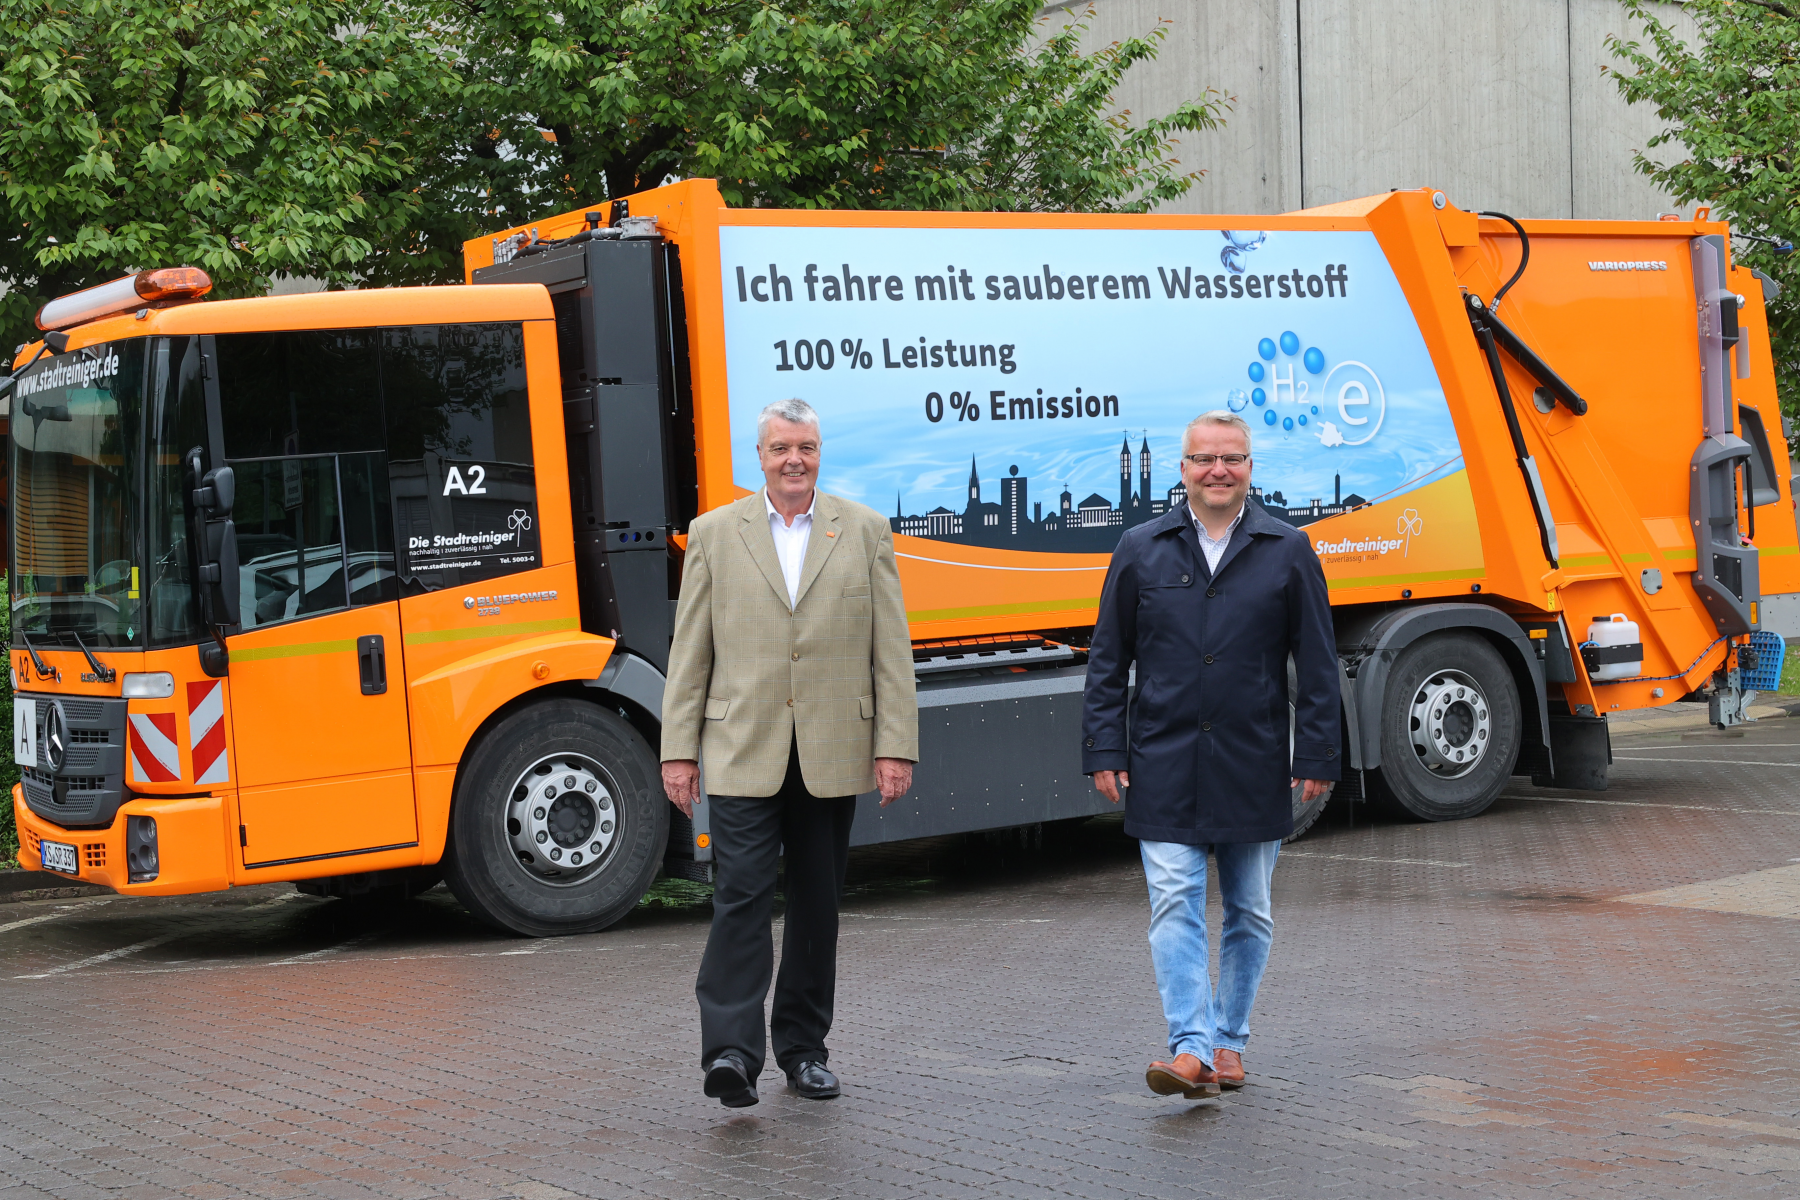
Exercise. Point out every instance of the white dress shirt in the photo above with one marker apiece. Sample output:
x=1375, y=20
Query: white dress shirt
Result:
x=1214, y=550
x=790, y=542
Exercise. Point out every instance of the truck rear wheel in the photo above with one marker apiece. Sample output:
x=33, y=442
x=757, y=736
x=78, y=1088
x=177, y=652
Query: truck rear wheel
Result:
x=1450, y=728
x=559, y=821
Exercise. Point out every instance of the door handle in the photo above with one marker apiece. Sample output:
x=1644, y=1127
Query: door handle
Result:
x=371, y=663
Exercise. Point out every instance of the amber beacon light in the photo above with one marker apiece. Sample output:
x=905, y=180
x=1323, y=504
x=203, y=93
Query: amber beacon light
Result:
x=163, y=286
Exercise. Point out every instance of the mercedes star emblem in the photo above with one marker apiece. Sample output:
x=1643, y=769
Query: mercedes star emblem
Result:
x=56, y=737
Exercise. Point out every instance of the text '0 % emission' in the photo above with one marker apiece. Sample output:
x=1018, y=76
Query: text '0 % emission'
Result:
x=805, y=355
x=962, y=407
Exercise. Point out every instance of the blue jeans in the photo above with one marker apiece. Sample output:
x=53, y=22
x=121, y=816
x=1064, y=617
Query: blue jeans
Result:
x=1201, y=1021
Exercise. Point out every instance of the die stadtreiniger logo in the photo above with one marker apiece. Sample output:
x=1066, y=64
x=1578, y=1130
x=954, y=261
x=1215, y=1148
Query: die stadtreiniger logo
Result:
x=1300, y=391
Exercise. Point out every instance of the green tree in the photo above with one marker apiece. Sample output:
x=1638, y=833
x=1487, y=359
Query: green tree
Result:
x=9, y=770
x=1732, y=100
x=366, y=143
x=249, y=139
x=930, y=104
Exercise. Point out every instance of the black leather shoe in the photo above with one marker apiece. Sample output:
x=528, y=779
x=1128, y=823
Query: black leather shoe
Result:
x=813, y=1081
x=728, y=1081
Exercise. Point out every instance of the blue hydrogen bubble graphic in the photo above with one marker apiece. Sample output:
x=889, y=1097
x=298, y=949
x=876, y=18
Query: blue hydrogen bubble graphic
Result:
x=1261, y=397
x=1290, y=344
x=1301, y=418
x=1286, y=422
x=1256, y=372
x=1266, y=348
x=1269, y=417
x=1315, y=359
x=1315, y=410
x=1237, y=401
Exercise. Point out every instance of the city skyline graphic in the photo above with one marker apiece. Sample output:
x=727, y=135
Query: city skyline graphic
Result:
x=1093, y=524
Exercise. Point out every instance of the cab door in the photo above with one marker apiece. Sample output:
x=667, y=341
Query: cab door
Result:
x=318, y=707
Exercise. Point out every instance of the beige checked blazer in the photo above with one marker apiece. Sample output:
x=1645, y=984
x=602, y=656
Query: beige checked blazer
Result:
x=747, y=676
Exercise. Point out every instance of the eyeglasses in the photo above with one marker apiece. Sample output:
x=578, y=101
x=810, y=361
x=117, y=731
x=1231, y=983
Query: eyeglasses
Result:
x=1204, y=461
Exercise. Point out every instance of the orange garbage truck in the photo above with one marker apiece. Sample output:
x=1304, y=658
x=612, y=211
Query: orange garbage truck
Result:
x=364, y=589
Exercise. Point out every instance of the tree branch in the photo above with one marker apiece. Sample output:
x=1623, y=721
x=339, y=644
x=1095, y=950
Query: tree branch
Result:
x=1774, y=7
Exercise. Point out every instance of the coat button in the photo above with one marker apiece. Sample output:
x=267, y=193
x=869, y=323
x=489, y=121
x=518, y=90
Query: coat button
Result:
x=796, y=656
x=1184, y=579
x=1090, y=743
x=1329, y=753
x=790, y=702
x=1209, y=660
x=1206, y=727
x=1211, y=592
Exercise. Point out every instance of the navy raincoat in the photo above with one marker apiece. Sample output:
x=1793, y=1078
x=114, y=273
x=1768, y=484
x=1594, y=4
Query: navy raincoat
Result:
x=1207, y=740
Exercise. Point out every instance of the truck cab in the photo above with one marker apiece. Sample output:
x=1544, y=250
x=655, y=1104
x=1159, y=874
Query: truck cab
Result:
x=282, y=562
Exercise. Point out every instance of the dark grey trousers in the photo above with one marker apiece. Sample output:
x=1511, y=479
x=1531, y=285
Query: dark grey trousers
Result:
x=749, y=834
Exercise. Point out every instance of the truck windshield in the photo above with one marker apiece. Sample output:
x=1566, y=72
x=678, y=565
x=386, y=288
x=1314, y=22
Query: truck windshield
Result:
x=75, y=435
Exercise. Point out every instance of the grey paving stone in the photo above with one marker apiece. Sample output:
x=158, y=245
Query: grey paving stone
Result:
x=1468, y=1009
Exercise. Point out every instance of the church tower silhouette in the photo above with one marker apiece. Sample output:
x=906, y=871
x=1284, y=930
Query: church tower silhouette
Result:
x=1143, y=502
x=1125, y=478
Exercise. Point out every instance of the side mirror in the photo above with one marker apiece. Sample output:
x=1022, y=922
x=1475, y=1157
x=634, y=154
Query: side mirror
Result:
x=222, y=568
x=57, y=340
x=217, y=492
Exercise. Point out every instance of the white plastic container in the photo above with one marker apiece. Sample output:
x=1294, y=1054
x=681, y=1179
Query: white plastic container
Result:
x=1616, y=630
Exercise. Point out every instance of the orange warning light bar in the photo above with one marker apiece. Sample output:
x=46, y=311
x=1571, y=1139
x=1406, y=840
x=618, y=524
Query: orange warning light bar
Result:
x=159, y=287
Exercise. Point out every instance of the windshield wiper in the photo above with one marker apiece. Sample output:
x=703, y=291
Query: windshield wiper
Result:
x=43, y=669
x=102, y=672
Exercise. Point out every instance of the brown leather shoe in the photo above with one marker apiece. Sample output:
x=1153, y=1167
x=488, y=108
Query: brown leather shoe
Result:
x=1186, y=1075
x=1228, y=1066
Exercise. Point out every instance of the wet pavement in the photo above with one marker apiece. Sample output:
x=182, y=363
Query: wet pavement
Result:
x=1576, y=994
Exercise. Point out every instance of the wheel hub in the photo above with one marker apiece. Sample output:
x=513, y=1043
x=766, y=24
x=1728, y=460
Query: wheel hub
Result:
x=561, y=818
x=1451, y=724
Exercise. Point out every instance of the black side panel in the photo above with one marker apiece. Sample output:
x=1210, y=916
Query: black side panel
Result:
x=621, y=340
x=994, y=752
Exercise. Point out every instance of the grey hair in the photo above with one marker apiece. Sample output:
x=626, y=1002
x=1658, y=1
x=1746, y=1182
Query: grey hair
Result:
x=796, y=410
x=1218, y=416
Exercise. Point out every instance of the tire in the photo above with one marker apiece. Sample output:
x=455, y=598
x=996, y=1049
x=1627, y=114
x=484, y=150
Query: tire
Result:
x=604, y=821
x=1450, y=728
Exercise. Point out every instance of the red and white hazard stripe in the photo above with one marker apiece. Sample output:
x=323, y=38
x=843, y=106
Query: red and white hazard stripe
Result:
x=206, y=731
x=154, y=755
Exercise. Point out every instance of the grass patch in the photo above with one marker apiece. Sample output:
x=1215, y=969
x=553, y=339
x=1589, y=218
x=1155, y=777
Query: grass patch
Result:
x=674, y=894
x=1790, y=674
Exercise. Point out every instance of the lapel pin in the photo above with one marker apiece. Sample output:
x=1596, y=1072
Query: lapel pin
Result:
x=828, y=533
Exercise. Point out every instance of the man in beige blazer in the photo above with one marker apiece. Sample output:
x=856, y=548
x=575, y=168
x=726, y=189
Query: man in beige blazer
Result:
x=792, y=677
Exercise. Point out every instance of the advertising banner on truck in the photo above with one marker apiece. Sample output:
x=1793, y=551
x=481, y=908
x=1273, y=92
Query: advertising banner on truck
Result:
x=1025, y=390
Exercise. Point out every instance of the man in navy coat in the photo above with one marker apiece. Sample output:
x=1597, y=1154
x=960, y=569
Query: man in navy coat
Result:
x=1208, y=602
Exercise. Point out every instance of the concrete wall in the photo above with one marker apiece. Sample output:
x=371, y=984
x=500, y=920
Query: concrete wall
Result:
x=1501, y=103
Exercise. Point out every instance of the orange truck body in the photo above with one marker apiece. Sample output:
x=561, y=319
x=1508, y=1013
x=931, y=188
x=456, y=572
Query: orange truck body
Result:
x=282, y=768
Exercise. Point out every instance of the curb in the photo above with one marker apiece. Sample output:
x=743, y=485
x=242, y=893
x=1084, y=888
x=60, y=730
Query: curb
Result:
x=1668, y=720
x=14, y=882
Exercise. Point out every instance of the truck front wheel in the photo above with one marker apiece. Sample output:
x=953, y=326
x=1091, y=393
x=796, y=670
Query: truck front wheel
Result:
x=559, y=821
x=1450, y=728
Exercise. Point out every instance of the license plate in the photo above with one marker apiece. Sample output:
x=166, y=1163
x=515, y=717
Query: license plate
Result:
x=24, y=732
x=59, y=856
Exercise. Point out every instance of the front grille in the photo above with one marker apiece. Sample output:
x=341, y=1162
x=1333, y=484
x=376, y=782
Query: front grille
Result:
x=91, y=786
x=72, y=783
x=86, y=712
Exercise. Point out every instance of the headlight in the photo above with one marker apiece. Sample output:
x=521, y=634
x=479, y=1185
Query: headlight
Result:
x=148, y=685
